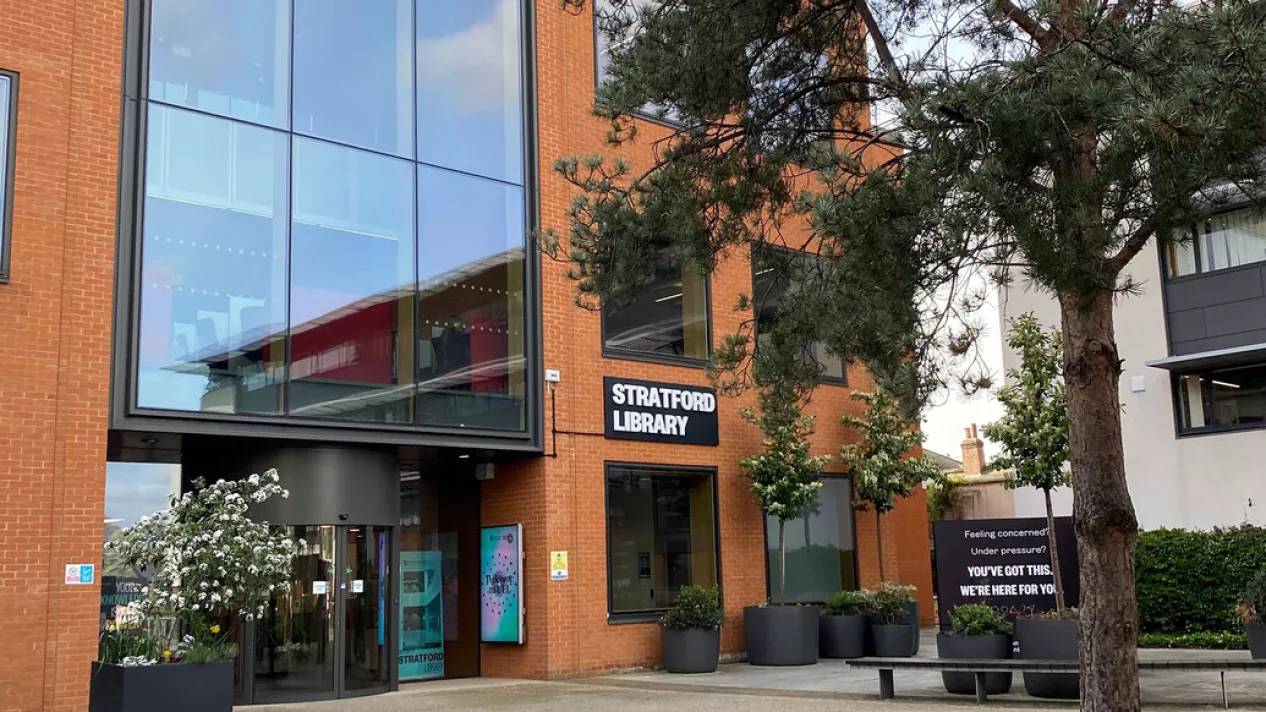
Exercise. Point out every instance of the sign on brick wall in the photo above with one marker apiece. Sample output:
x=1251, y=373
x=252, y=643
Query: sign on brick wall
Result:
x=659, y=412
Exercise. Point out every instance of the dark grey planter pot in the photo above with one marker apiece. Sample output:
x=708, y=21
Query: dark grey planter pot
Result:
x=781, y=635
x=1256, y=640
x=842, y=636
x=893, y=641
x=912, y=619
x=1049, y=640
x=978, y=647
x=690, y=651
x=161, y=688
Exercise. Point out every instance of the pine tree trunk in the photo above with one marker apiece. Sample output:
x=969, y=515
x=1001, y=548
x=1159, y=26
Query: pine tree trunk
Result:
x=1103, y=514
x=1057, y=574
x=782, y=563
x=879, y=542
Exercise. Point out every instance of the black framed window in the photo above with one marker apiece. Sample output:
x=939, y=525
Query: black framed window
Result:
x=8, y=142
x=821, y=546
x=775, y=272
x=661, y=535
x=669, y=319
x=1221, y=399
x=1224, y=241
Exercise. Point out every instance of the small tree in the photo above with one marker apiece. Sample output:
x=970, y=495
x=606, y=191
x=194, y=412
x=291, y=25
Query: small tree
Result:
x=880, y=464
x=1033, y=431
x=785, y=477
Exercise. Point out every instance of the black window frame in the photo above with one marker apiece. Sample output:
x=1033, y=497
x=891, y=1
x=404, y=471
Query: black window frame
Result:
x=1200, y=233
x=9, y=168
x=654, y=615
x=857, y=576
x=823, y=379
x=666, y=359
x=1206, y=403
x=642, y=114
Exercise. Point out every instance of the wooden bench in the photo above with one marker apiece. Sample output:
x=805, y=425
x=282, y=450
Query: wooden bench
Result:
x=885, y=666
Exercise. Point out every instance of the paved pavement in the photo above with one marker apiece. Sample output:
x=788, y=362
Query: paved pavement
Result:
x=739, y=687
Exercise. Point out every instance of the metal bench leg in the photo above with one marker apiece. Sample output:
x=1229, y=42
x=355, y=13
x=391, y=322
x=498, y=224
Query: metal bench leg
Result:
x=981, y=695
x=1226, y=703
x=885, y=685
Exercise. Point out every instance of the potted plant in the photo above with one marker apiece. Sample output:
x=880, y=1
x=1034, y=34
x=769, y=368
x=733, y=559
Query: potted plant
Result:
x=1246, y=612
x=784, y=481
x=977, y=632
x=1052, y=635
x=691, y=631
x=209, y=566
x=843, y=625
x=889, y=611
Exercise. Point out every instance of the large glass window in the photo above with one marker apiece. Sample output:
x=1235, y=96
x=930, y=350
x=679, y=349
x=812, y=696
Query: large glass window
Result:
x=470, y=96
x=1226, y=398
x=1224, y=241
x=775, y=272
x=132, y=490
x=296, y=259
x=821, y=547
x=604, y=12
x=661, y=534
x=8, y=128
x=668, y=319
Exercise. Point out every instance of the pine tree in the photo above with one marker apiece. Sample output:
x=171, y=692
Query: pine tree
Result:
x=1033, y=431
x=1050, y=138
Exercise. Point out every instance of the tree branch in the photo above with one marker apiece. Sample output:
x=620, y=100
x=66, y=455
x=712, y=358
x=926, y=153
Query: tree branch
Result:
x=1025, y=21
x=1132, y=246
x=877, y=38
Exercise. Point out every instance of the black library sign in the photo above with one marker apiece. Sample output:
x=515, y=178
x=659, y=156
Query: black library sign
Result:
x=659, y=412
x=1005, y=563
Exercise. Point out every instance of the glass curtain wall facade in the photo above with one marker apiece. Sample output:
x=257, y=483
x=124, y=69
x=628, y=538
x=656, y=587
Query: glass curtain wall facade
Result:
x=333, y=224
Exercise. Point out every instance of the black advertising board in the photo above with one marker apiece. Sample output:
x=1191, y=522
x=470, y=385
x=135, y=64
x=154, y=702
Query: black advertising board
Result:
x=659, y=412
x=1005, y=563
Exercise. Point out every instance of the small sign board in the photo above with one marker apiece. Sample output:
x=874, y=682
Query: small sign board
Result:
x=358, y=585
x=558, y=566
x=320, y=588
x=80, y=574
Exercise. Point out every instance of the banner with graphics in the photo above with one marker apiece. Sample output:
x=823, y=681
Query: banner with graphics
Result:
x=421, y=615
x=501, y=584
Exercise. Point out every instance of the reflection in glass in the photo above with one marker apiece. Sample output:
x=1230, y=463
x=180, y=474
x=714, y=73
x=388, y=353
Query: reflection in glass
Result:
x=294, y=640
x=353, y=73
x=661, y=533
x=669, y=317
x=352, y=284
x=226, y=57
x=820, y=554
x=1233, y=239
x=132, y=490
x=469, y=92
x=1228, y=397
x=213, y=275
x=365, y=615
x=470, y=301
x=775, y=271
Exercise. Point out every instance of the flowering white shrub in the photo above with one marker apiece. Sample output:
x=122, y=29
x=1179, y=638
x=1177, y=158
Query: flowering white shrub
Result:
x=206, y=559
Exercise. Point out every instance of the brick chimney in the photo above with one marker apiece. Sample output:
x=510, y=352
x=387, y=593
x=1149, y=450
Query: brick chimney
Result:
x=973, y=452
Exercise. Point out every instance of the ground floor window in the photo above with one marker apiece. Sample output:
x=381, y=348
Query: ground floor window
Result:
x=1226, y=398
x=133, y=490
x=661, y=534
x=821, y=546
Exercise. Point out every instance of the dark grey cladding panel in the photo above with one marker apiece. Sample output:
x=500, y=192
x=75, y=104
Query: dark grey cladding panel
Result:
x=1187, y=325
x=1206, y=290
x=1235, y=318
x=1245, y=338
x=328, y=484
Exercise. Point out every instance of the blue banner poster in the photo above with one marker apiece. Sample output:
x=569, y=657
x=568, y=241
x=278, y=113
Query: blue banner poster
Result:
x=421, y=615
x=500, y=553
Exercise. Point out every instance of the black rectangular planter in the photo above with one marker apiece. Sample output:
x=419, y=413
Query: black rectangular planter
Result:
x=162, y=688
x=1042, y=639
x=974, y=647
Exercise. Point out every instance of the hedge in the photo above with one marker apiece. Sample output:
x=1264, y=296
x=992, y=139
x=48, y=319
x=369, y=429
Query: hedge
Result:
x=1189, y=581
x=1208, y=641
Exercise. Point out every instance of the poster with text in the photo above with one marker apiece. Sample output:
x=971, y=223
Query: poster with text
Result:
x=500, y=584
x=421, y=615
x=1005, y=563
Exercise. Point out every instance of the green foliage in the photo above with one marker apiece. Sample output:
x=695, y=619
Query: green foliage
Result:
x=1253, y=603
x=1191, y=581
x=1207, y=641
x=1057, y=614
x=206, y=643
x=696, y=607
x=880, y=464
x=943, y=492
x=846, y=603
x=1033, y=432
x=978, y=619
x=784, y=478
x=120, y=647
x=888, y=602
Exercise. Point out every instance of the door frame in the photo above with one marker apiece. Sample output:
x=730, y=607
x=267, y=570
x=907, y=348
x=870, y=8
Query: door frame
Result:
x=246, y=694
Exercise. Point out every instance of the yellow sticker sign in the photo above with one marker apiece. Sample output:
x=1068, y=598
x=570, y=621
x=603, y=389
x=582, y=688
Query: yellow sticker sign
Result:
x=558, y=566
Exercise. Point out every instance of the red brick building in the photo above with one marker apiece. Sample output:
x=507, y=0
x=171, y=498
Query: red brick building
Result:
x=237, y=238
